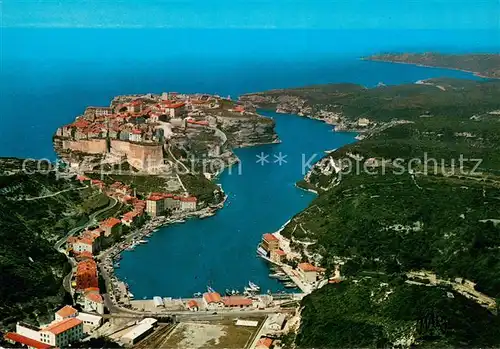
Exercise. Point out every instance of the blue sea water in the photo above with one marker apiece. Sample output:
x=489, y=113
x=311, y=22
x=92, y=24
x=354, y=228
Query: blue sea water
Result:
x=220, y=251
x=48, y=76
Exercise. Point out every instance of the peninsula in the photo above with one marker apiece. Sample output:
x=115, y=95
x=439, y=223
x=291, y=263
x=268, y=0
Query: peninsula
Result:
x=124, y=169
x=151, y=133
x=485, y=65
x=400, y=247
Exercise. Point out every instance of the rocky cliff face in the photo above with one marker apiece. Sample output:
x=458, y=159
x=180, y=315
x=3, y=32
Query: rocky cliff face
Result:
x=248, y=130
x=281, y=102
x=285, y=103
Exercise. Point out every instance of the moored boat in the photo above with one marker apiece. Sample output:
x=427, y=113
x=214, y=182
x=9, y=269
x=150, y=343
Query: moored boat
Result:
x=253, y=286
x=261, y=252
x=249, y=290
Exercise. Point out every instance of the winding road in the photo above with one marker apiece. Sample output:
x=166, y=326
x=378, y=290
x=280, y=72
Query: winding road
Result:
x=53, y=194
x=58, y=245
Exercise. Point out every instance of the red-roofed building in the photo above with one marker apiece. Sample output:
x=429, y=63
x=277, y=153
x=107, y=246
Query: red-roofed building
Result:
x=93, y=301
x=213, y=300
x=82, y=178
x=135, y=135
x=278, y=255
x=66, y=312
x=85, y=244
x=309, y=272
x=86, y=275
x=97, y=183
x=264, y=343
x=193, y=305
x=62, y=333
x=135, y=106
x=239, y=109
x=70, y=241
x=192, y=122
x=155, y=204
x=16, y=338
x=81, y=123
x=173, y=109
x=84, y=256
x=270, y=242
x=237, y=302
x=188, y=203
x=129, y=217
x=111, y=226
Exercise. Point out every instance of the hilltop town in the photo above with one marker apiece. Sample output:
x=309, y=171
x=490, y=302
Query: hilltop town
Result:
x=153, y=133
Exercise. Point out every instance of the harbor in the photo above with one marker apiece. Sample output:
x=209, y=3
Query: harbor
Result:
x=119, y=290
x=220, y=251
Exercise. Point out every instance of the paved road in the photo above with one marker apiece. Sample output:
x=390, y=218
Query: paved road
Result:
x=53, y=194
x=178, y=161
x=91, y=221
x=58, y=245
x=199, y=315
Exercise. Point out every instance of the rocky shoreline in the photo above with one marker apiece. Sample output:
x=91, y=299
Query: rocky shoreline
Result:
x=281, y=102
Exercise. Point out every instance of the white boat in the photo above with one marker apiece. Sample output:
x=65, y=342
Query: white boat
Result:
x=197, y=294
x=210, y=289
x=253, y=286
x=130, y=295
x=262, y=252
x=143, y=241
x=248, y=291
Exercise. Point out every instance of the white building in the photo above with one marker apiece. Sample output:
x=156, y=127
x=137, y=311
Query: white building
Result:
x=308, y=272
x=192, y=305
x=93, y=302
x=148, y=321
x=363, y=122
x=65, y=312
x=62, y=333
x=65, y=329
x=90, y=321
x=276, y=321
x=136, y=334
x=188, y=203
x=83, y=245
x=135, y=136
x=213, y=300
x=28, y=331
x=158, y=301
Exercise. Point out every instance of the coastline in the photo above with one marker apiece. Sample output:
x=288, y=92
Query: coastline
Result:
x=237, y=160
x=108, y=257
x=477, y=74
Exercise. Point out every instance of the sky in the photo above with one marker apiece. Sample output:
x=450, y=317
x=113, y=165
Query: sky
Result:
x=279, y=14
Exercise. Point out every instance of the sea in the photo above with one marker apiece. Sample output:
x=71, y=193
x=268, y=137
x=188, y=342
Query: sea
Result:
x=49, y=75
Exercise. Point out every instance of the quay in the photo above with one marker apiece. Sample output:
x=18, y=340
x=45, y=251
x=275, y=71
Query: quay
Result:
x=169, y=304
